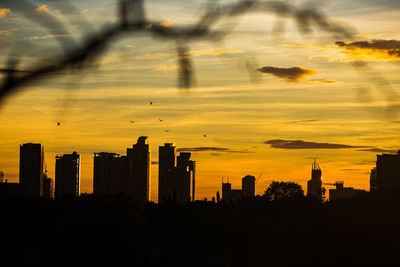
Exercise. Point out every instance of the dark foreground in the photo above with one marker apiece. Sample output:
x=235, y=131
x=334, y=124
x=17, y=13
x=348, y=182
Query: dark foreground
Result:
x=116, y=231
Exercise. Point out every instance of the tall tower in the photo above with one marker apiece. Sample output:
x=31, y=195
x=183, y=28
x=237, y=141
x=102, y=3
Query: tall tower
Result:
x=184, y=176
x=31, y=158
x=104, y=172
x=314, y=186
x=388, y=173
x=226, y=191
x=68, y=172
x=249, y=186
x=166, y=164
x=139, y=167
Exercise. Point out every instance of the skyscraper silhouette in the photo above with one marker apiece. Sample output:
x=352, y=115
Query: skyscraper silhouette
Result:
x=139, y=168
x=372, y=180
x=249, y=186
x=314, y=186
x=48, y=186
x=104, y=172
x=166, y=165
x=184, y=178
x=68, y=173
x=31, y=158
x=388, y=173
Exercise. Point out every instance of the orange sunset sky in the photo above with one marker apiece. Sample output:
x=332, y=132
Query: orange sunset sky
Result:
x=268, y=103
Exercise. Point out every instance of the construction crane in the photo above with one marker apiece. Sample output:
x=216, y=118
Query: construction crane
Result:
x=259, y=177
x=335, y=184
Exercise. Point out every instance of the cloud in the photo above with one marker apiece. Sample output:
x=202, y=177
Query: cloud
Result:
x=42, y=9
x=369, y=35
x=196, y=53
x=3, y=12
x=369, y=50
x=372, y=50
x=3, y=40
x=167, y=23
x=164, y=68
x=303, y=121
x=322, y=81
x=49, y=36
x=214, y=149
x=5, y=32
x=6, y=70
x=215, y=52
x=378, y=150
x=300, y=144
x=293, y=74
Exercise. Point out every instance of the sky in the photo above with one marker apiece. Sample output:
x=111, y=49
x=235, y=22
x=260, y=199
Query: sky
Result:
x=268, y=102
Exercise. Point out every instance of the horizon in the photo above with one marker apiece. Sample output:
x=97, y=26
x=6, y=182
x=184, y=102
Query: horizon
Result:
x=261, y=102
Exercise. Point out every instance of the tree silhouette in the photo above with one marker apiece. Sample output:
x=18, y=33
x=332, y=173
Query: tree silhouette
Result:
x=283, y=191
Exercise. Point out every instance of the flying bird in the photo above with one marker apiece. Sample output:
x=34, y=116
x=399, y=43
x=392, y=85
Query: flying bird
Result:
x=151, y=102
x=132, y=121
x=204, y=135
x=167, y=130
x=160, y=120
x=58, y=123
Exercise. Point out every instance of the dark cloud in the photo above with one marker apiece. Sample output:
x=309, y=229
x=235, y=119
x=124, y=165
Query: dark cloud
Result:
x=9, y=70
x=305, y=121
x=214, y=149
x=293, y=74
x=300, y=144
x=391, y=47
x=378, y=150
x=366, y=162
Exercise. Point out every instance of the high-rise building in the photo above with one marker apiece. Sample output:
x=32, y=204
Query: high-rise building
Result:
x=121, y=183
x=226, y=191
x=111, y=174
x=104, y=172
x=48, y=187
x=68, y=173
x=184, y=178
x=139, y=168
x=388, y=173
x=314, y=186
x=372, y=180
x=249, y=186
x=31, y=158
x=341, y=192
x=166, y=165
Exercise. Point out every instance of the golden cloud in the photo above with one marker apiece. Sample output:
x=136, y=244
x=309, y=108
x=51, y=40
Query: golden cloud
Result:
x=167, y=23
x=5, y=32
x=369, y=35
x=293, y=74
x=49, y=36
x=375, y=50
x=215, y=52
x=164, y=68
x=42, y=9
x=371, y=50
x=3, y=12
x=3, y=40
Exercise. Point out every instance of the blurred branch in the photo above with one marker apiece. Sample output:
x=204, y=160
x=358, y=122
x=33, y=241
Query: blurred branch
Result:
x=133, y=20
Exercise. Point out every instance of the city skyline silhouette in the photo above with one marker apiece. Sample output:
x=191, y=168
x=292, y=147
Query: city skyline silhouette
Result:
x=199, y=132
x=129, y=175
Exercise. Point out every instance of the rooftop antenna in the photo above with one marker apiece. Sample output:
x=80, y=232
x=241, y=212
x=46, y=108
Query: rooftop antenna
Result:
x=315, y=166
